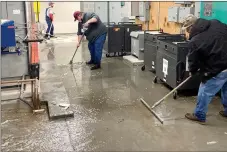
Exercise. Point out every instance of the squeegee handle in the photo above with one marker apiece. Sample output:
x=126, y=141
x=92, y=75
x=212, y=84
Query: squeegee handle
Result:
x=78, y=46
x=158, y=102
x=75, y=52
x=81, y=38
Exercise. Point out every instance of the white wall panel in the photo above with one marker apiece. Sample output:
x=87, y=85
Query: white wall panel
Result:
x=87, y=6
x=126, y=10
x=101, y=10
x=63, y=18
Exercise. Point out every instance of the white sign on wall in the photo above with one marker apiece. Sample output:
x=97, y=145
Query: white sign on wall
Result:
x=16, y=12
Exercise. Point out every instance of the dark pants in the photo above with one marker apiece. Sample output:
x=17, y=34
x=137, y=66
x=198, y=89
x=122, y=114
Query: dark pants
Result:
x=96, y=48
x=208, y=90
x=50, y=28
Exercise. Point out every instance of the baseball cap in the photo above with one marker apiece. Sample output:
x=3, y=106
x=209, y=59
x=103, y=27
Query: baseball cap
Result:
x=76, y=14
x=188, y=21
x=51, y=3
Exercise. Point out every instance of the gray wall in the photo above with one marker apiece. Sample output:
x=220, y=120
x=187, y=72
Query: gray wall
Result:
x=197, y=9
x=13, y=65
x=101, y=10
x=117, y=12
x=87, y=6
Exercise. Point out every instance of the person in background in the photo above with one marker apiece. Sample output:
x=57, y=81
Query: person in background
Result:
x=95, y=34
x=207, y=56
x=49, y=16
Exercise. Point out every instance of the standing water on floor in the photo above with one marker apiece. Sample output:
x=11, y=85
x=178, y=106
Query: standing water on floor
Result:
x=108, y=115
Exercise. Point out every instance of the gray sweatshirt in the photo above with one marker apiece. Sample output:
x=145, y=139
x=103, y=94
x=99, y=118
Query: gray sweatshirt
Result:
x=94, y=30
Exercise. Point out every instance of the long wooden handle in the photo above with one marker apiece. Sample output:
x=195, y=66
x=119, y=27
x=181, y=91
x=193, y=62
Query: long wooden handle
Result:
x=77, y=47
x=158, y=102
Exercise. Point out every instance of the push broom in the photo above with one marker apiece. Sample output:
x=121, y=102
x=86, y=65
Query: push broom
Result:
x=71, y=61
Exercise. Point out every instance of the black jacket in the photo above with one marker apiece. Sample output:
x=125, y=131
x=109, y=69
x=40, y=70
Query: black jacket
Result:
x=208, y=48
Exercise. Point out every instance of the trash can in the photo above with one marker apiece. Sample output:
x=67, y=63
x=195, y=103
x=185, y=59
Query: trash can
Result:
x=172, y=65
x=137, y=44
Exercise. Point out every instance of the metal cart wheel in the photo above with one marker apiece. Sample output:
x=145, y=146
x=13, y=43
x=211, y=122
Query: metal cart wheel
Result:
x=107, y=55
x=155, y=79
x=143, y=68
x=175, y=95
x=152, y=71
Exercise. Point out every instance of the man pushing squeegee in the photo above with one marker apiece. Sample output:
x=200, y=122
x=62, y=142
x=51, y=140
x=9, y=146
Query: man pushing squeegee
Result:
x=208, y=55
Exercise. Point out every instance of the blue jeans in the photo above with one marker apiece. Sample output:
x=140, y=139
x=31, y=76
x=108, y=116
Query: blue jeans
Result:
x=96, y=48
x=50, y=27
x=207, y=91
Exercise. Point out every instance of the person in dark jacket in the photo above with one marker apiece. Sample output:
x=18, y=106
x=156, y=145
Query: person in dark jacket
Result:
x=207, y=56
x=95, y=34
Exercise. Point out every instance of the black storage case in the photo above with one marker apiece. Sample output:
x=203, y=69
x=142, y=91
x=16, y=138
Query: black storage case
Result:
x=128, y=28
x=118, y=38
x=115, y=39
x=176, y=56
x=150, y=47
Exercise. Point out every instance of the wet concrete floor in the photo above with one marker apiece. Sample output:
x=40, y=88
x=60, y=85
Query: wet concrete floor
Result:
x=108, y=115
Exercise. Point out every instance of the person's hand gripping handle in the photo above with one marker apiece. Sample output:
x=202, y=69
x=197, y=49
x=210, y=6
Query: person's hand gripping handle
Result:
x=81, y=37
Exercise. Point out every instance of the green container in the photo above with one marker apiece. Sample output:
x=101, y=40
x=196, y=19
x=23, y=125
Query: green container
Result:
x=214, y=10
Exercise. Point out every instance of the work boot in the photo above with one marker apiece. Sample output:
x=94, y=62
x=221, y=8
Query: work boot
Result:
x=53, y=36
x=46, y=36
x=97, y=66
x=89, y=62
x=222, y=113
x=192, y=116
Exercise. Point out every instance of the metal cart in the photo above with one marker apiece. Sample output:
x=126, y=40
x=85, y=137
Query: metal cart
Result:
x=172, y=65
x=128, y=28
x=137, y=44
x=150, y=47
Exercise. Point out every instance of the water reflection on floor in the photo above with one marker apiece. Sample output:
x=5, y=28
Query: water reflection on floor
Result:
x=108, y=115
